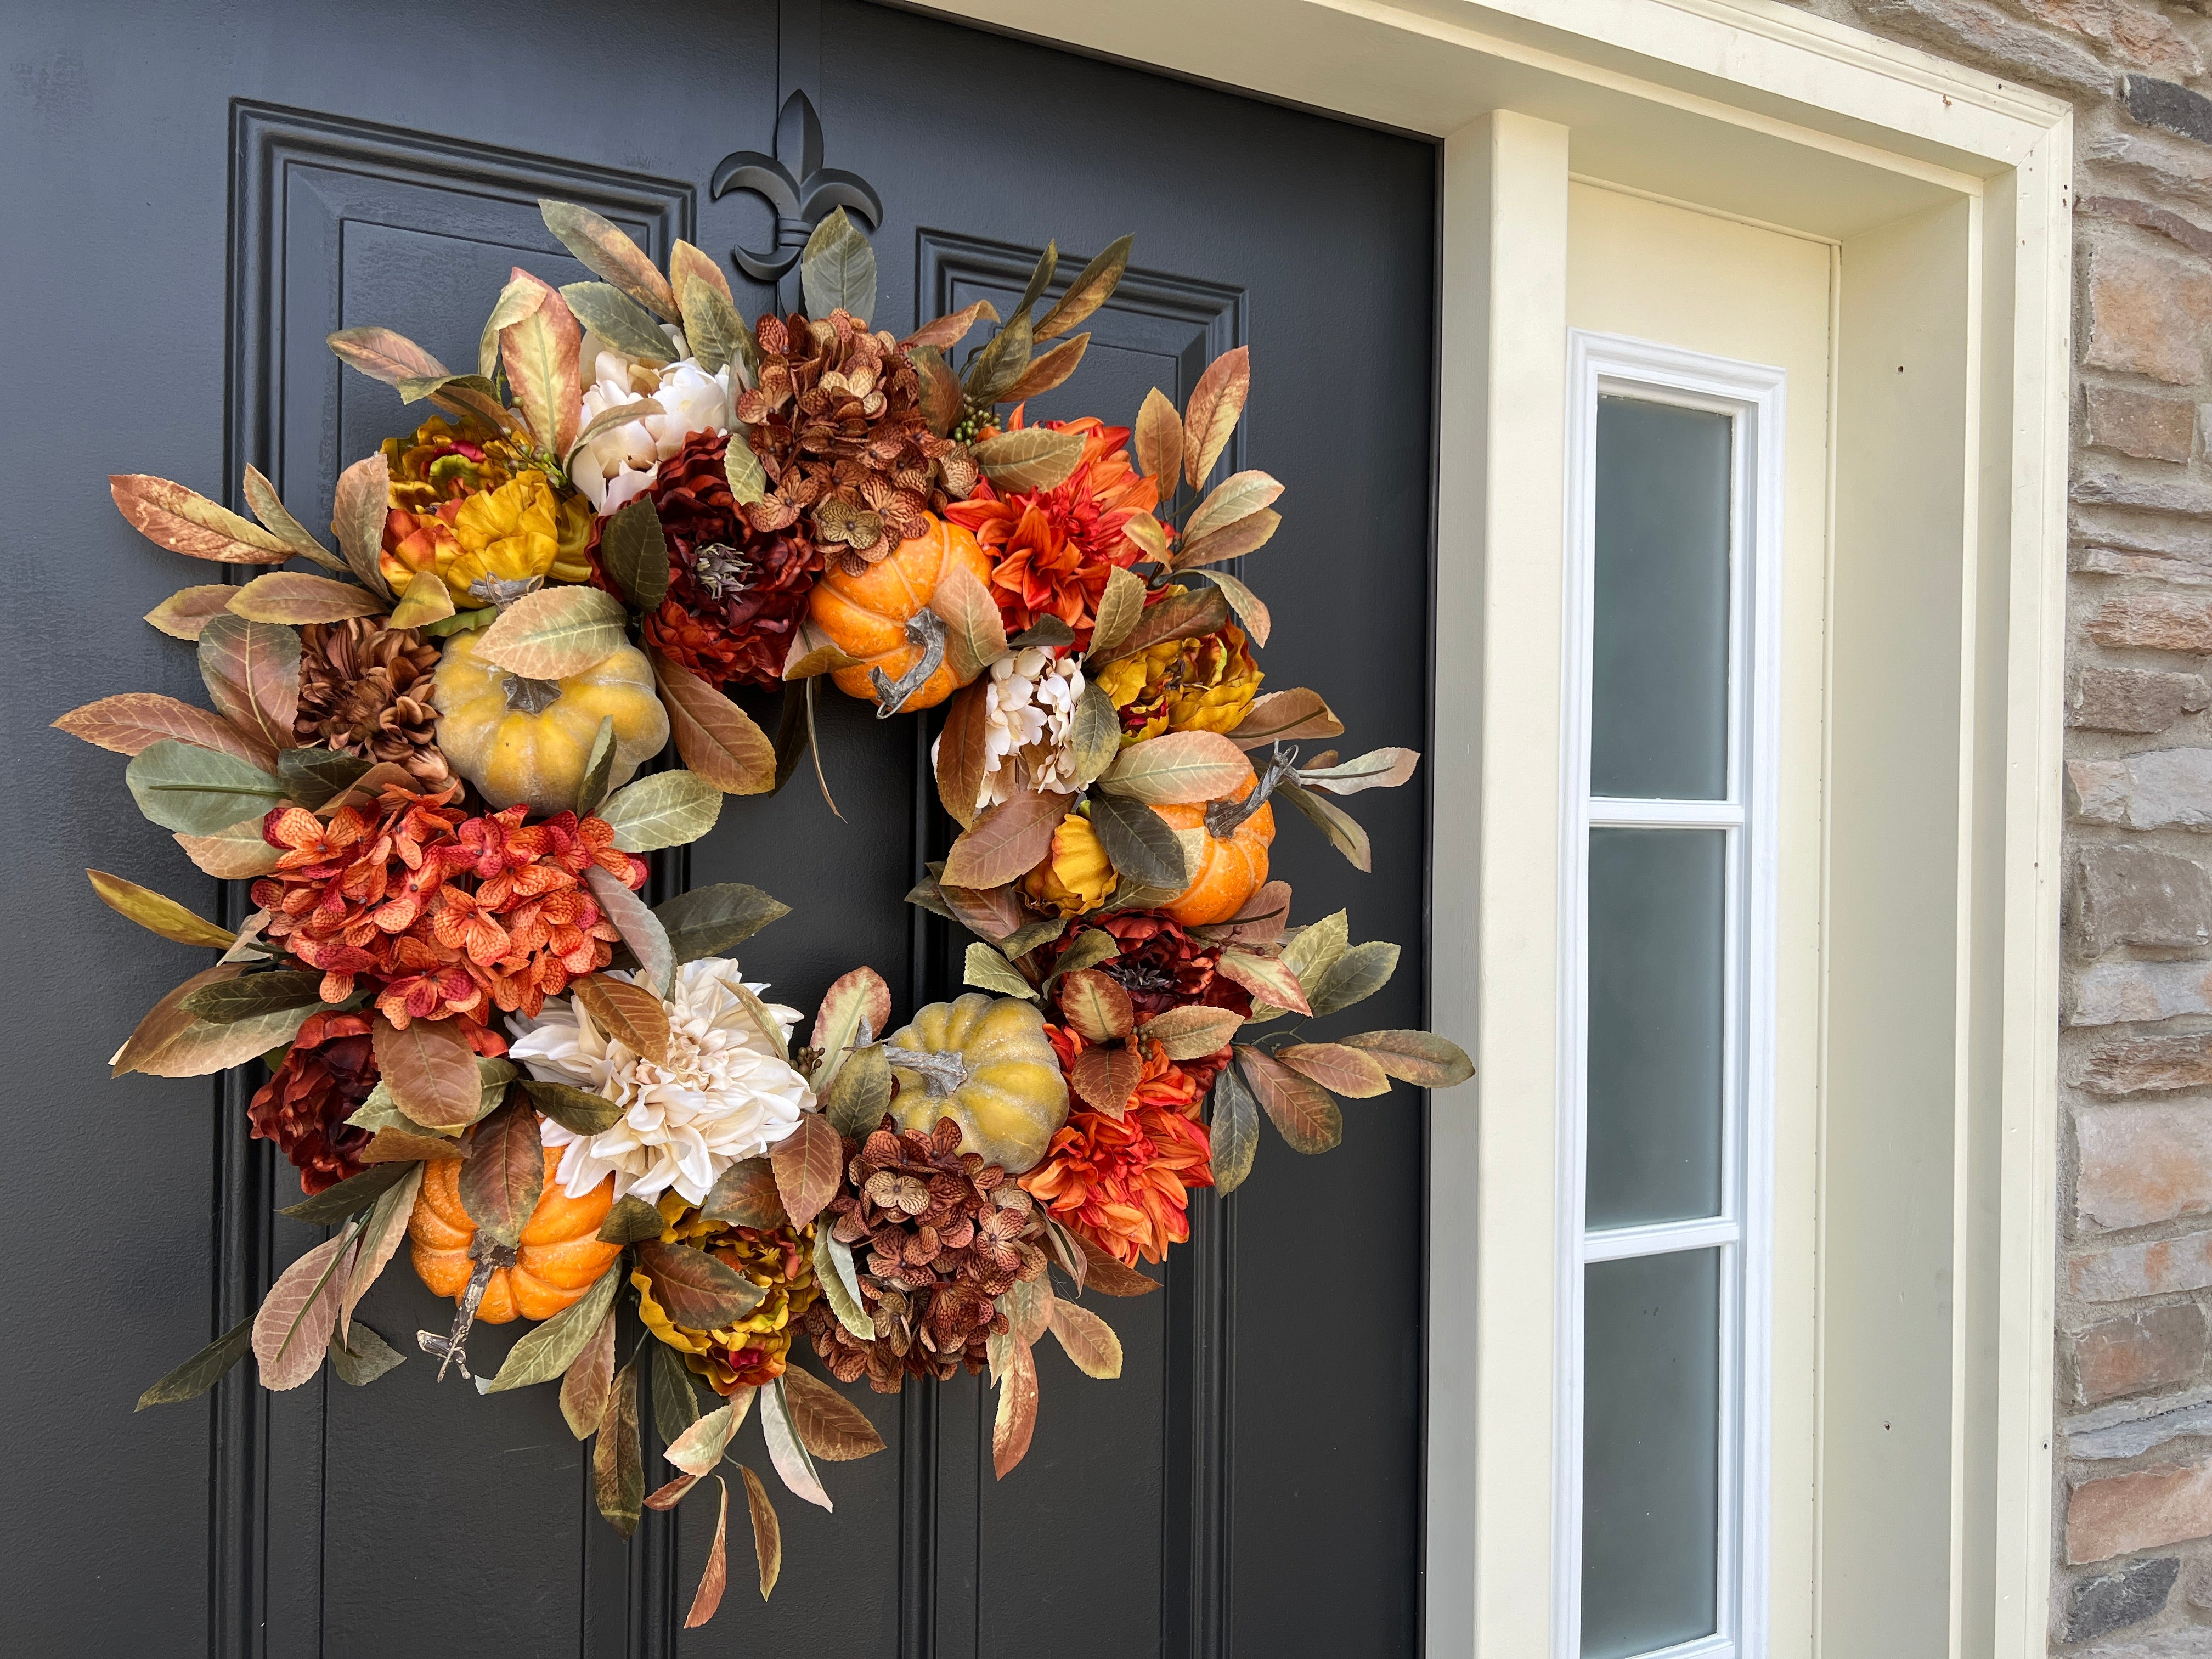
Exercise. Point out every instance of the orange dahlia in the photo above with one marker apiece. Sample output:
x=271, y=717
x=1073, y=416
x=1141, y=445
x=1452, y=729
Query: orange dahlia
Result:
x=1123, y=1184
x=1050, y=549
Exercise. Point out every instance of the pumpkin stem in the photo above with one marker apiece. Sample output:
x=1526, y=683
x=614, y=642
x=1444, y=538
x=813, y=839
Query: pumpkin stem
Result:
x=529, y=696
x=452, y=1349
x=1223, y=817
x=945, y=1071
x=926, y=630
x=494, y=590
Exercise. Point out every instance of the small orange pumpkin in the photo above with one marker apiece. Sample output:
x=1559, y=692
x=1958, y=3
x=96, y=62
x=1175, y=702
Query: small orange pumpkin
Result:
x=866, y=616
x=560, y=1253
x=1231, y=868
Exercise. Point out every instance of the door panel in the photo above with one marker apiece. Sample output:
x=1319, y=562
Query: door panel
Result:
x=216, y=188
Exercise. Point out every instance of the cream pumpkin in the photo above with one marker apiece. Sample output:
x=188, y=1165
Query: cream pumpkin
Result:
x=527, y=740
x=986, y=1063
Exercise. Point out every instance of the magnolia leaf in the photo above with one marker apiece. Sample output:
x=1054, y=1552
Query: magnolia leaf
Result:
x=471, y=397
x=1420, y=1058
x=298, y=1315
x=1105, y=1078
x=675, y=1401
x=1215, y=403
x=295, y=596
x=157, y=915
x=990, y=913
x=237, y=851
x=589, y=1376
x=1109, y=1277
x=359, y=1356
x=685, y=261
x=1066, y=1253
x=1315, y=947
x=694, y=1289
x=431, y=1071
x=227, y=1001
x=1096, y=1006
x=1178, y=617
x=1140, y=844
x=962, y=746
x=1023, y=941
x=784, y=1449
x=748, y=477
x=767, y=1535
x=577, y=1110
x=744, y=1194
x=381, y=1236
x=607, y=419
x=627, y=1011
x=1001, y=362
x=1271, y=980
x=860, y=1093
x=365, y=788
x=261, y=496
x=1086, y=950
x=542, y=354
x=949, y=330
x=711, y=327
x=605, y=251
x=1191, y=1032
x=837, y=272
x=1236, y=497
x=1338, y=1069
x=974, y=637
x=1258, y=621
x=1378, y=768
x=504, y=1173
x=203, y=1369
x=807, y=1161
x=617, y=1469
x=1047, y=371
x=313, y=776
x=184, y=521
x=1094, y=736
x=357, y=514
x=1357, y=975
x=405, y=1146
x=1028, y=1307
x=827, y=1424
x=599, y=770
x=555, y=632
x=855, y=1010
x=1285, y=716
x=630, y=1219
x=696, y=1449
x=1089, y=291
x=1308, y=1119
x=665, y=809
x=634, y=550
x=619, y=321
x=252, y=671
x=185, y=612
x=1016, y=1421
x=348, y=1198
x=171, y=1042
x=382, y=354
x=1158, y=442
x=1035, y=457
x=197, y=791
x=1088, y=1340
x=1177, y=768
x=1119, y=607
x=717, y=739
x=1040, y=279
x=941, y=399
x=840, y=1279
x=714, y=921
x=985, y=969
x=1234, y=1129
x=1006, y=841
x=715, y=1577
x=1230, y=541
x=523, y=294
x=1048, y=630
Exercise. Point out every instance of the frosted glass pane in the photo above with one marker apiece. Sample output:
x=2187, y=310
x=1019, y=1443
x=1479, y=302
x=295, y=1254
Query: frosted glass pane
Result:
x=1659, y=707
x=1650, y=1451
x=1656, y=922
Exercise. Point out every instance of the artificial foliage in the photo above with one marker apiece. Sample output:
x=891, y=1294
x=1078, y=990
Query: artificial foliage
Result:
x=438, y=758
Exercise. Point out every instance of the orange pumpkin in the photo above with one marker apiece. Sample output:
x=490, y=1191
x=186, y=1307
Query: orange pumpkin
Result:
x=560, y=1253
x=1231, y=868
x=866, y=616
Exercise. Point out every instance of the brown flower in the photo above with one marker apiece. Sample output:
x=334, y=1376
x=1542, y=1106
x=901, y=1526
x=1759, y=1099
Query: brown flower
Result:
x=365, y=690
x=938, y=1236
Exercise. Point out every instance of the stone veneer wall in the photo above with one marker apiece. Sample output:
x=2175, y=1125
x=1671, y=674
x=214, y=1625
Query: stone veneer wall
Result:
x=2133, y=1536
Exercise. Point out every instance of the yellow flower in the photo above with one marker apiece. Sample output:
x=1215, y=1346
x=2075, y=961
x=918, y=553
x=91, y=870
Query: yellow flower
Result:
x=521, y=530
x=1201, y=684
x=779, y=1260
x=1077, y=876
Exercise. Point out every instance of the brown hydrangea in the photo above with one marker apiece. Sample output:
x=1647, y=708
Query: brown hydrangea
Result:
x=365, y=690
x=938, y=1236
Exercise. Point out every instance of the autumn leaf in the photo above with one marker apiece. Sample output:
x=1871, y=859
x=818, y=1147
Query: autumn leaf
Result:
x=430, y=1070
x=1006, y=841
x=717, y=739
x=133, y=721
x=158, y=914
x=827, y=1424
x=629, y=1013
x=184, y=521
x=1215, y=403
x=715, y=1576
x=1016, y=1422
x=807, y=1162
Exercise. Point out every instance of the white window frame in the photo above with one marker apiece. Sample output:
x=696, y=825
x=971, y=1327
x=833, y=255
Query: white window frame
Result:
x=1752, y=397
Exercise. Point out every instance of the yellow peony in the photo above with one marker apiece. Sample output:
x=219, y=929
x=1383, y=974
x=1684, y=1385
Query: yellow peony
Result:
x=778, y=1259
x=521, y=530
x=1077, y=876
x=1202, y=684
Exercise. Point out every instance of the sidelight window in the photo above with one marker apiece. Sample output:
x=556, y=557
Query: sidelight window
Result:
x=1668, y=904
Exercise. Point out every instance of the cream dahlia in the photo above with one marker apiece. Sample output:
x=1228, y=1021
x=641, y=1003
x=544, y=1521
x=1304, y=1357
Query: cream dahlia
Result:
x=726, y=1092
x=1029, y=709
x=615, y=467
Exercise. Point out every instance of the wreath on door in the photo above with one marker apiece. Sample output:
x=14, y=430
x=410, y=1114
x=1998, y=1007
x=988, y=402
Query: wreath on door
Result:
x=482, y=1042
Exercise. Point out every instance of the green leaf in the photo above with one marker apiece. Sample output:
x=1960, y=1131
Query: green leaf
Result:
x=619, y=321
x=714, y=921
x=1088, y=949
x=599, y=770
x=675, y=1400
x=988, y=970
x=1035, y=457
x=1001, y=362
x=577, y=1110
x=1177, y=768
x=1094, y=735
x=1023, y=941
x=362, y=1356
x=230, y=1000
x=1421, y=1058
x=711, y=327
x=1139, y=843
x=556, y=632
x=748, y=477
x=841, y=1283
x=604, y=250
x=617, y=1467
x=664, y=809
x=203, y=1369
x=1315, y=947
x=860, y=1092
x=1357, y=975
x=1089, y=291
x=1343, y=831
x=198, y=792
x=631, y=1220
x=312, y=776
x=635, y=552
x=349, y=1197
x=837, y=272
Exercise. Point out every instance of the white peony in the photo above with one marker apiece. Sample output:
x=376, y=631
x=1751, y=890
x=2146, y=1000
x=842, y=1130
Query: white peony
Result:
x=615, y=467
x=726, y=1093
x=1028, y=706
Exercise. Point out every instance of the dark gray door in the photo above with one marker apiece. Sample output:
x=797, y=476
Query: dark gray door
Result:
x=195, y=193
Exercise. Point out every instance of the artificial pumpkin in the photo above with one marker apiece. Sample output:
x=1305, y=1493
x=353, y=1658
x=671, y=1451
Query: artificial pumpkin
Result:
x=986, y=1063
x=1229, y=868
x=558, y=1258
x=866, y=614
x=520, y=739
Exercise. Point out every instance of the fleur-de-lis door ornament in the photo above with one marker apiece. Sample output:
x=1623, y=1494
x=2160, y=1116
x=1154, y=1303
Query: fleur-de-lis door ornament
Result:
x=799, y=187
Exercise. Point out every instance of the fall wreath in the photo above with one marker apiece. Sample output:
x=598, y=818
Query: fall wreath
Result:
x=481, y=1042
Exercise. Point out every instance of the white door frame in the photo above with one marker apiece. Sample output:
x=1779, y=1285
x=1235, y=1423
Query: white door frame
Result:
x=1946, y=191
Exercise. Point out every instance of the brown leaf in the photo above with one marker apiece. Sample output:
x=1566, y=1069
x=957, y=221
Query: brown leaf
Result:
x=1096, y=1004
x=504, y=1173
x=589, y=1380
x=1310, y=1121
x=399, y=1147
x=1286, y=716
x=1089, y=291
x=1229, y=541
x=1215, y=403
x=1421, y=1058
x=767, y=1536
x=252, y=671
x=807, y=1164
x=668, y=1496
x=1047, y=371
x=1119, y=608
x=1006, y=841
x=238, y=854
x=1110, y=1277
x=1341, y=1070
x=185, y=612
x=184, y=521
x=827, y=1424
x=617, y=1468
x=1191, y=1032
x=1178, y=617
x=974, y=637
x=292, y=1330
x=694, y=1288
x=268, y=506
x=1087, y=1339
x=136, y=720
x=745, y=1193
x=540, y=354
x=714, y=1577
x=627, y=1011
x=1258, y=622
x=1018, y=1409
x=949, y=330
x=991, y=912
x=1344, y=831
x=960, y=752
x=1177, y=768
x=1268, y=978
x=606, y=251
x=940, y=397
x=383, y=355
x=718, y=739
x=430, y=1070
x=381, y=1235
x=157, y=914
x=357, y=514
x=1104, y=1077
x=297, y=596
x=687, y=261
x=1158, y=442
x=171, y=1042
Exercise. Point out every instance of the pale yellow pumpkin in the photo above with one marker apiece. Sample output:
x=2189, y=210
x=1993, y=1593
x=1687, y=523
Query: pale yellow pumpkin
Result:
x=986, y=1063
x=527, y=740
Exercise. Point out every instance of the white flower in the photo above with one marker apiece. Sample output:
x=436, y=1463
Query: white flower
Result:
x=1029, y=709
x=726, y=1092
x=617, y=465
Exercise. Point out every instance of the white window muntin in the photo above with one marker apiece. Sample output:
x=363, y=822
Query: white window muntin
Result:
x=1752, y=397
